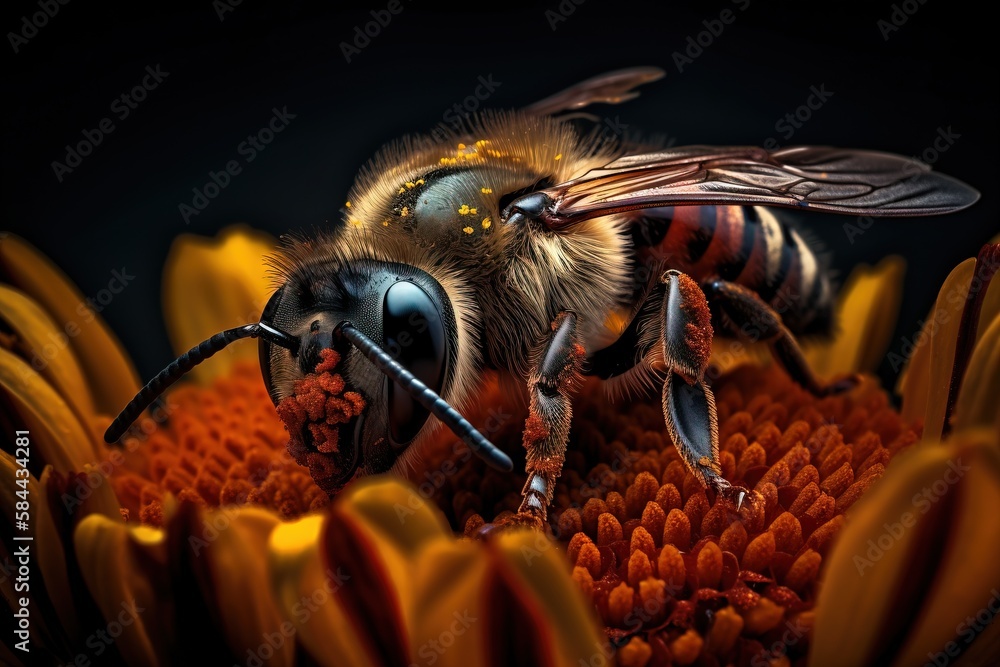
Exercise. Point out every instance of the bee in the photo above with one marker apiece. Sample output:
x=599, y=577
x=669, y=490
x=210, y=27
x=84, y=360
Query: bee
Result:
x=518, y=244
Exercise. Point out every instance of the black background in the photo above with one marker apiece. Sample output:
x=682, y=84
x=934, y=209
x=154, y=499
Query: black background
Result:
x=119, y=208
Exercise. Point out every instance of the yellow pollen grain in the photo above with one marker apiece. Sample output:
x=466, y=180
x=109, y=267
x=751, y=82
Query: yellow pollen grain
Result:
x=461, y=147
x=410, y=185
x=482, y=142
x=420, y=181
x=558, y=157
x=486, y=223
x=472, y=211
x=355, y=222
x=385, y=223
x=464, y=209
x=348, y=204
x=401, y=191
x=467, y=230
x=404, y=212
x=486, y=191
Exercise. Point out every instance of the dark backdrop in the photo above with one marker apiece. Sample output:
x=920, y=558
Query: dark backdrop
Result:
x=892, y=89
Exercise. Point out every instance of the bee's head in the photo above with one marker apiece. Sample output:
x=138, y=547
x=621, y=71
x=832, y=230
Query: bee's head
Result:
x=356, y=357
x=405, y=313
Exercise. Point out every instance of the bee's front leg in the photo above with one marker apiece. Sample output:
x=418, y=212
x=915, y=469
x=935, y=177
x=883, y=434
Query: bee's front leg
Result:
x=688, y=402
x=547, y=428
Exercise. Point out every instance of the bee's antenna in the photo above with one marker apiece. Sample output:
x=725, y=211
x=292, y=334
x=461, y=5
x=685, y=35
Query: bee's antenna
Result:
x=184, y=363
x=440, y=408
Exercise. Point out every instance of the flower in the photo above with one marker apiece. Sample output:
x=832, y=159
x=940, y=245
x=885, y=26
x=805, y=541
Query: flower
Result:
x=202, y=540
x=679, y=578
x=677, y=574
x=192, y=541
x=914, y=577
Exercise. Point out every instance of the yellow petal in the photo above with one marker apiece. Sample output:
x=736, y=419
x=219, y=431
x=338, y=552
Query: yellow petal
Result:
x=51, y=615
x=232, y=543
x=985, y=647
x=83, y=492
x=867, y=582
x=866, y=317
x=538, y=576
x=375, y=533
x=978, y=401
x=110, y=375
x=728, y=354
x=212, y=284
x=303, y=591
x=57, y=436
x=450, y=618
x=928, y=375
x=46, y=348
x=115, y=562
x=51, y=555
x=968, y=576
x=396, y=511
x=991, y=306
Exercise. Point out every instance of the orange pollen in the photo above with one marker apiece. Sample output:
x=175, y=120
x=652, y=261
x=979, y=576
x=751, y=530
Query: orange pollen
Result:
x=535, y=430
x=319, y=405
x=667, y=565
x=213, y=446
x=698, y=331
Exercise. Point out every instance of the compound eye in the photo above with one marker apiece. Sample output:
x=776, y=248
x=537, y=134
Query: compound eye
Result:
x=414, y=336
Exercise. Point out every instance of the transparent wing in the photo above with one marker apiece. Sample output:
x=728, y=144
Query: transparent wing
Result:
x=817, y=178
x=611, y=88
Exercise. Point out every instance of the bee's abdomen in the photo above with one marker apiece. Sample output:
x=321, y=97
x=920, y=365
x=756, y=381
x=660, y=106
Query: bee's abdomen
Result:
x=746, y=245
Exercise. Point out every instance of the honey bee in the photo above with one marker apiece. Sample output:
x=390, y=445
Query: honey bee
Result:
x=515, y=245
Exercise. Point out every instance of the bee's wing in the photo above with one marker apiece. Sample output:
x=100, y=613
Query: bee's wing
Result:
x=807, y=177
x=611, y=88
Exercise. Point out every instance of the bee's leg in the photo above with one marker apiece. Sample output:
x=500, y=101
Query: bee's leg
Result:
x=688, y=402
x=547, y=427
x=751, y=318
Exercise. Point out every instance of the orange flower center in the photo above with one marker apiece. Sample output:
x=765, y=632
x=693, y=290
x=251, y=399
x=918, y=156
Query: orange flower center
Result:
x=673, y=571
x=218, y=445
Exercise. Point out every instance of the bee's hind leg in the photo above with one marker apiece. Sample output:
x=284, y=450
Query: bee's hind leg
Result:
x=688, y=402
x=547, y=428
x=751, y=318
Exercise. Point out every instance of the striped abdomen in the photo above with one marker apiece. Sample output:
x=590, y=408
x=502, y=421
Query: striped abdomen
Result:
x=747, y=245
